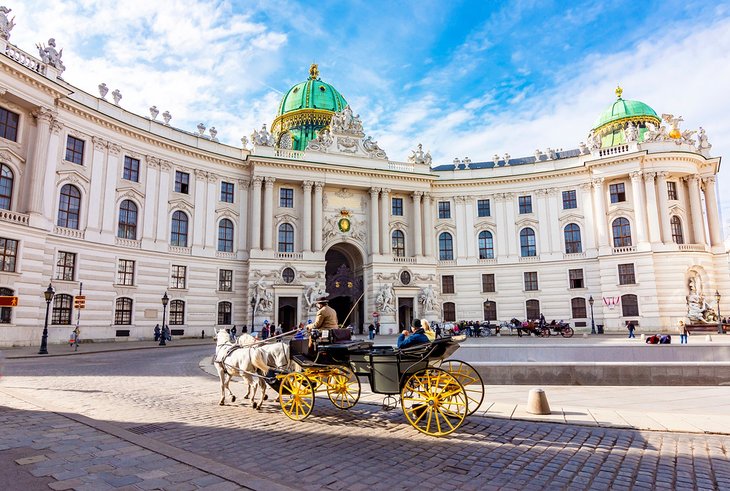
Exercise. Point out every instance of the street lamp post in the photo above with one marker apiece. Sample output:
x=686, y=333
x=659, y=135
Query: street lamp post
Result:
x=253, y=313
x=163, y=333
x=48, y=295
x=719, y=318
x=593, y=321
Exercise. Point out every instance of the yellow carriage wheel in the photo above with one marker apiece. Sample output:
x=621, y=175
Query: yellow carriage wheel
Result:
x=434, y=401
x=469, y=378
x=296, y=394
x=343, y=388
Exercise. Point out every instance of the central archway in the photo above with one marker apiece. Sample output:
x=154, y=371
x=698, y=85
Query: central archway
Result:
x=344, y=283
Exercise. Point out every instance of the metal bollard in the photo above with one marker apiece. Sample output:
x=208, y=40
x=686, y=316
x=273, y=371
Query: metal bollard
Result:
x=202, y=334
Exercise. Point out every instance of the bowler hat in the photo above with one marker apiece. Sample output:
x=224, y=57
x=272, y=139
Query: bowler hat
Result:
x=322, y=300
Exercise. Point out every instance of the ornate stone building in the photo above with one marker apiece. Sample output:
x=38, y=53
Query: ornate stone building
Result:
x=133, y=208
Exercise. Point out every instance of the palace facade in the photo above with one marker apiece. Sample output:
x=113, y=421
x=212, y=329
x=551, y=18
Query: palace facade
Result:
x=132, y=208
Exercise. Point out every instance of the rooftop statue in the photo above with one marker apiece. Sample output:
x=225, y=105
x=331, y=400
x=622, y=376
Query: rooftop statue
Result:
x=50, y=56
x=262, y=137
x=103, y=90
x=654, y=134
x=6, y=25
x=346, y=123
x=154, y=112
x=166, y=116
x=373, y=149
x=419, y=157
x=631, y=134
x=594, y=141
x=117, y=96
x=703, y=144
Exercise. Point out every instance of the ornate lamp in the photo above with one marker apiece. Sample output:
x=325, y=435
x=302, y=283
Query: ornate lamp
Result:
x=719, y=318
x=48, y=296
x=165, y=300
x=593, y=322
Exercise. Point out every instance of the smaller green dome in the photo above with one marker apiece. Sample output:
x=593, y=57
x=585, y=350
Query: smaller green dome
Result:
x=313, y=93
x=623, y=109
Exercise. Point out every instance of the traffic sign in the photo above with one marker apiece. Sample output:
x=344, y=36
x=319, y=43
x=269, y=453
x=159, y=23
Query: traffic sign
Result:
x=80, y=302
x=8, y=301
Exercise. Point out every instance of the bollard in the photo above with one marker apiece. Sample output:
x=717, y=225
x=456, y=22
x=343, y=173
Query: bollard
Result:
x=202, y=334
x=537, y=402
x=708, y=338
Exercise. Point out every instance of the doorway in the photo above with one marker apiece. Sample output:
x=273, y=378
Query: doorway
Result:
x=405, y=313
x=343, y=283
x=287, y=313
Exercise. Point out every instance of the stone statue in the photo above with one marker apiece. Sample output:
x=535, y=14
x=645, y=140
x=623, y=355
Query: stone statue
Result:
x=213, y=133
x=583, y=148
x=103, y=90
x=6, y=25
x=323, y=141
x=466, y=162
x=417, y=156
x=703, y=143
x=594, y=141
x=552, y=154
x=495, y=159
x=697, y=308
x=428, y=298
x=201, y=129
x=507, y=156
x=259, y=296
x=244, y=142
x=687, y=137
x=314, y=293
x=117, y=96
x=50, y=56
x=384, y=299
x=631, y=134
x=166, y=116
x=655, y=134
x=674, y=121
x=346, y=123
x=262, y=137
x=538, y=155
x=154, y=112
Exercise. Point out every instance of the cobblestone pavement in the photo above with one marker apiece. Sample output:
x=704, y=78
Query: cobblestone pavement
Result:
x=154, y=411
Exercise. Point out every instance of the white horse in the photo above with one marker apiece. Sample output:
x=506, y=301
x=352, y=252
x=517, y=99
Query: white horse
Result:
x=231, y=360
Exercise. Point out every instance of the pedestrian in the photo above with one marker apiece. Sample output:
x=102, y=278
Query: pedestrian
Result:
x=371, y=331
x=233, y=333
x=244, y=329
x=265, y=330
x=631, y=327
x=542, y=320
x=166, y=333
x=157, y=332
x=75, y=338
x=683, y=333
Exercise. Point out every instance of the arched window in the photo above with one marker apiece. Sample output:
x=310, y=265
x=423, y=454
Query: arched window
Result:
x=486, y=245
x=225, y=235
x=6, y=187
x=127, y=228
x=179, y=229
x=123, y=311
x=490, y=310
x=578, y=308
x=398, y=243
x=177, y=313
x=629, y=305
x=677, y=235
x=446, y=247
x=69, y=206
x=61, y=314
x=532, y=309
x=286, y=237
x=572, y=239
x=527, y=242
x=449, y=312
x=6, y=313
x=621, y=232
x=224, y=313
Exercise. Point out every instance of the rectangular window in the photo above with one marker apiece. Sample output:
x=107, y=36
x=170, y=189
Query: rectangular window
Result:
x=576, y=278
x=618, y=192
x=569, y=200
x=227, y=192
x=626, y=274
x=182, y=182
x=286, y=198
x=444, y=209
x=447, y=284
x=131, y=169
x=225, y=280
x=397, y=207
x=65, y=266
x=8, y=254
x=74, y=150
x=672, y=190
x=488, y=283
x=8, y=125
x=125, y=272
x=177, y=280
x=531, y=281
x=483, y=209
x=525, y=203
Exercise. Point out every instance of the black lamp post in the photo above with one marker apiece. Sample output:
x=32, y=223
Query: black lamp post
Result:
x=253, y=313
x=719, y=318
x=48, y=295
x=163, y=334
x=593, y=322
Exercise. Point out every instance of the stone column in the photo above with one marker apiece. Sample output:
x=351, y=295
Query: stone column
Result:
x=268, y=244
x=664, y=207
x=163, y=216
x=695, y=204
x=109, y=211
x=374, y=239
x=543, y=219
x=651, y=207
x=201, y=179
x=256, y=212
x=209, y=221
x=589, y=231
x=49, y=180
x=460, y=219
x=513, y=240
x=470, y=237
x=307, y=216
x=713, y=212
x=150, y=204
x=502, y=231
x=637, y=198
x=96, y=190
x=599, y=200
x=428, y=226
x=417, y=233
x=37, y=170
x=317, y=228
x=385, y=206
x=243, y=215
x=556, y=245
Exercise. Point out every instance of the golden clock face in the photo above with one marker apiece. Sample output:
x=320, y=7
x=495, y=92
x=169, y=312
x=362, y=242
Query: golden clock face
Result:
x=344, y=224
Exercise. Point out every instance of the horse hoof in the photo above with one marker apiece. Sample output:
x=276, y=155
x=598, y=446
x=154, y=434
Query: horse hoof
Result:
x=221, y=403
x=266, y=397
x=254, y=405
x=233, y=398
x=245, y=397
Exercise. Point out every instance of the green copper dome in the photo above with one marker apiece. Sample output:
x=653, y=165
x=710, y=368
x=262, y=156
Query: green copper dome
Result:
x=613, y=120
x=305, y=109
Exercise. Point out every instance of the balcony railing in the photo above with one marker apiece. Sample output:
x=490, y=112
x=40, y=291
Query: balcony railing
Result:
x=289, y=154
x=130, y=243
x=624, y=249
x=14, y=217
x=25, y=59
x=68, y=232
x=406, y=260
x=574, y=255
x=401, y=166
x=488, y=261
x=225, y=255
x=289, y=255
x=605, y=152
x=447, y=262
x=185, y=251
x=692, y=247
x=529, y=259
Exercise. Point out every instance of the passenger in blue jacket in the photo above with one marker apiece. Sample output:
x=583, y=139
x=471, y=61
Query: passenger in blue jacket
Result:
x=417, y=336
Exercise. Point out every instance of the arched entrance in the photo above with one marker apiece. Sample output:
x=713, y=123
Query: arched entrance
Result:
x=343, y=282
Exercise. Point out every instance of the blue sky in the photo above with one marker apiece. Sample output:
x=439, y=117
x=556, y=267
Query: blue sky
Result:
x=469, y=78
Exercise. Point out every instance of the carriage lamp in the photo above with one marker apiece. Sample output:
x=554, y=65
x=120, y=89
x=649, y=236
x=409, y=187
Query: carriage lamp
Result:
x=165, y=299
x=48, y=295
x=719, y=318
x=253, y=312
x=593, y=321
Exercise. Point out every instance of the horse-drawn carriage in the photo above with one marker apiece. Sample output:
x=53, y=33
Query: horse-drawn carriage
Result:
x=435, y=394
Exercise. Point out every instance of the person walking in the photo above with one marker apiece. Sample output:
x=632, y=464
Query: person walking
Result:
x=371, y=332
x=75, y=338
x=157, y=332
x=166, y=333
x=233, y=333
x=437, y=329
x=631, y=327
x=265, y=330
x=683, y=334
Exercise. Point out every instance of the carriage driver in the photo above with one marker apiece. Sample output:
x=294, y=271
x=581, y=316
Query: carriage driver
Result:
x=326, y=316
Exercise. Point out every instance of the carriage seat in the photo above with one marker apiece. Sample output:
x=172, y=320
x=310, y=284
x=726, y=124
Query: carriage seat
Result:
x=336, y=336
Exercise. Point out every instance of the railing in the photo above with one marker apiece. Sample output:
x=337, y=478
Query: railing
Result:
x=185, y=251
x=692, y=247
x=11, y=216
x=447, y=262
x=401, y=166
x=529, y=259
x=289, y=154
x=488, y=261
x=225, y=255
x=613, y=150
x=131, y=243
x=289, y=255
x=407, y=260
x=25, y=59
x=68, y=232
x=624, y=249
x=574, y=255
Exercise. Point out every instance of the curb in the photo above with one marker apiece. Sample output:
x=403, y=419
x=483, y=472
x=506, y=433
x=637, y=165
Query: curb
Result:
x=109, y=350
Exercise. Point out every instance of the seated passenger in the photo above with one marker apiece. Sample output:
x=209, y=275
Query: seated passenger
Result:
x=416, y=337
x=430, y=334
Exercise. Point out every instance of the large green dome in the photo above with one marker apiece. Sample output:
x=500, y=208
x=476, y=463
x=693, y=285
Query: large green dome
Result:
x=305, y=109
x=613, y=120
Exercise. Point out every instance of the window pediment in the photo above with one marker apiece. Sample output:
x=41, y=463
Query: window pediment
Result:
x=180, y=204
x=130, y=192
x=526, y=222
x=7, y=154
x=71, y=175
x=571, y=217
x=485, y=223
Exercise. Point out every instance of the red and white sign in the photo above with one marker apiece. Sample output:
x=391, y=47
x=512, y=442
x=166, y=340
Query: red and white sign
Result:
x=375, y=314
